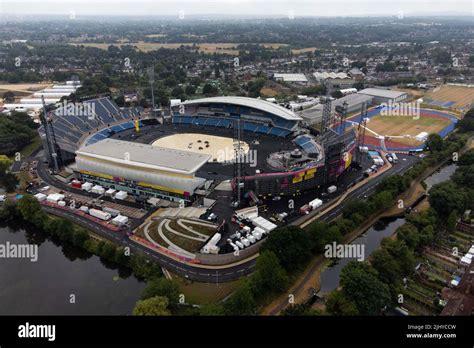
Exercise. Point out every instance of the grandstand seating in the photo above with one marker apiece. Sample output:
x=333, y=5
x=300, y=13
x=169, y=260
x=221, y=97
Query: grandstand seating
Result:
x=226, y=123
x=69, y=129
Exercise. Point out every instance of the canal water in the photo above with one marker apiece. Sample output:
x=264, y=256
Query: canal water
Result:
x=440, y=175
x=372, y=238
x=45, y=287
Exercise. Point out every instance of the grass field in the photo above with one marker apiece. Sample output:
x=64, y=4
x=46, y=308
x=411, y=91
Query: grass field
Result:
x=406, y=127
x=205, y=293
x=303, y=50
x=463, y=97
x=23, y=87
x=219, y=47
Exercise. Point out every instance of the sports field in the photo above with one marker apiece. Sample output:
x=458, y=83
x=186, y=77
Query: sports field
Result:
x=400, y=132
x=220, y=148
x=406, y=128
x=456, y=97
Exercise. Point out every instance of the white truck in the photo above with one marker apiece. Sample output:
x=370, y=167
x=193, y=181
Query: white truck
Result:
x=315, y=203
x=245, y=241
x=394, y=157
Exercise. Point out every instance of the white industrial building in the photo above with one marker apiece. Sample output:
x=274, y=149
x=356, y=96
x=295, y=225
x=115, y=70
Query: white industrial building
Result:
x=322, y=76
x=384, y=95
x=141, y=169
x=354, y=103
x=292, y=78
x=50, y=95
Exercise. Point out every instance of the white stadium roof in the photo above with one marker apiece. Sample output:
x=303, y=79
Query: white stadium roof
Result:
x=259, y=104
x=145, y=156
x=379, y=92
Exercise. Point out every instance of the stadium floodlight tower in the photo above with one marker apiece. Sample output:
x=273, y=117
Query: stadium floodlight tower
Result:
x=342, y=111
x=151, y=79
x=327, y=108
x=238, y=161
x=50, y=138
x=361, y=132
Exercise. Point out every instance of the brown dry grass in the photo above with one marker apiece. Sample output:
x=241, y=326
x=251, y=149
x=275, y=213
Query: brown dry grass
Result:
x=463, y=96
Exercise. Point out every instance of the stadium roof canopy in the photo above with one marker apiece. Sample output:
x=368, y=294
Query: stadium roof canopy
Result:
x=259, y=104
x=145, y=156
x=379, y=92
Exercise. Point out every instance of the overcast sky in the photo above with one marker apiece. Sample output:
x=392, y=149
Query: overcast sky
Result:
x=239, y=7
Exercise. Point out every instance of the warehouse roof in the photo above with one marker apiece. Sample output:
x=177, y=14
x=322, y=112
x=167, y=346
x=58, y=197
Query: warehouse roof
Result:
x=291, y=77
x=259, y=104
x=330, y=75
x=144, y=155
x=385, y=93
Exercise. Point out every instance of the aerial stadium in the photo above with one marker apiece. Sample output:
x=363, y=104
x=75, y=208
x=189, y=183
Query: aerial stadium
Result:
x=173, y=157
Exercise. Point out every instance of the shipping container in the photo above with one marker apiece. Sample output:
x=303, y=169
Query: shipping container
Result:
x=84, y=208
x=87, y=186
x=100, y=214
x=111, y=211
x=40, y=197
x=121, y=195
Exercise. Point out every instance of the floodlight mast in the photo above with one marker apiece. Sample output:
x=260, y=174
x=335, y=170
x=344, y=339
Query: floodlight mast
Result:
x=151, y=78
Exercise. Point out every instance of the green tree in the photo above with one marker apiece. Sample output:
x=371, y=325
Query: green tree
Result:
x=9, y=182
x=401, y=253
x=435, y=143
x=152, y=306
x=361, y=285
x=162, y=287
x=242, y=302
x=409, y=234
x=269, y=276
x=338, y=304
x=290, y=245
x=447, y=197
x=452, y=220
x=387, y=267
x=209, y=90
x=28, y=206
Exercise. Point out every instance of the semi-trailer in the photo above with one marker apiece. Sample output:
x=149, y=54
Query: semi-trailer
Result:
x=100, y=214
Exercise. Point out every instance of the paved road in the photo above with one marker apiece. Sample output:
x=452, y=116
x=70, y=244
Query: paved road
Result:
x=184, y=270
x=190, y=271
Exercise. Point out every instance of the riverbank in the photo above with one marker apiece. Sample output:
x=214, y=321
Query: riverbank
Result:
x=309, y=278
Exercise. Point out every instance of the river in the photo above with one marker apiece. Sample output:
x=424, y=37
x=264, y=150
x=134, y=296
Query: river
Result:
x=45, y=287
x=372, y=238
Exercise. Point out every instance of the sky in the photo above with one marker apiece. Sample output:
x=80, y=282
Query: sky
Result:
x=290, y=8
